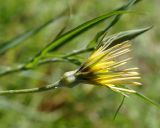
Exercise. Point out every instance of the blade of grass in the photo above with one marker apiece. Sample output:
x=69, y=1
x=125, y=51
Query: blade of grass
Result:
x=148, y=100
x=78, y=30
x=99, y=36
x=119, y=107
x=63, y=39
x=120, y=37
x=20, y=38
x=126, y=35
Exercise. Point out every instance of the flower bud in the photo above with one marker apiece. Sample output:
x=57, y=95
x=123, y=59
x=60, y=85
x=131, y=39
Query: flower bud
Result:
x=69, y=79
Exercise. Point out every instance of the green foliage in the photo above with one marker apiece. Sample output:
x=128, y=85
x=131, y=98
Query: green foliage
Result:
x=28, y=61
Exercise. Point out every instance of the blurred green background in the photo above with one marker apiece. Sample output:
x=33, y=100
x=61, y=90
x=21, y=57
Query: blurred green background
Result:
x=84, y=106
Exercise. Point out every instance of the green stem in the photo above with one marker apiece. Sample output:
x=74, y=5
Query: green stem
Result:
x=45, y=61
x=12, y=70
x=32, y=90
x=76, y=52
x=119, y=107
x=62, y=59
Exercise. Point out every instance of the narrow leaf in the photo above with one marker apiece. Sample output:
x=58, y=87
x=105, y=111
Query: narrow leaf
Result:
x=58, y=42
x=99, y=35
x=22, y=37
x=19, y=39
x=78, y=30
x=148, y=100
x=119, y=107
x=126, y=35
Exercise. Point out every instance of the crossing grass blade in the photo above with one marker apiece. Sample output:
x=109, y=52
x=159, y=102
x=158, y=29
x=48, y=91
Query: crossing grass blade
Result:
x=4, y=47
x=125, y=35
x=99, y=36
x=63, y=39
x=78, y=30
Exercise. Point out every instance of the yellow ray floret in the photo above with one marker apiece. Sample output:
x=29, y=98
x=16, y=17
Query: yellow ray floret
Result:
x=103, y=67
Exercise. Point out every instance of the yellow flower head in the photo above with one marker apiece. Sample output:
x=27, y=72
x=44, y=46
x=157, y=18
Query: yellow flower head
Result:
x=104, y=67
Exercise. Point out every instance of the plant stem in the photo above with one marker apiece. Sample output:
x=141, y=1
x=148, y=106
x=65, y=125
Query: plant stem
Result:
x=119, y=107
x=12, y=70
x=76, y=52
x=32, y=90
x=61, y=59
